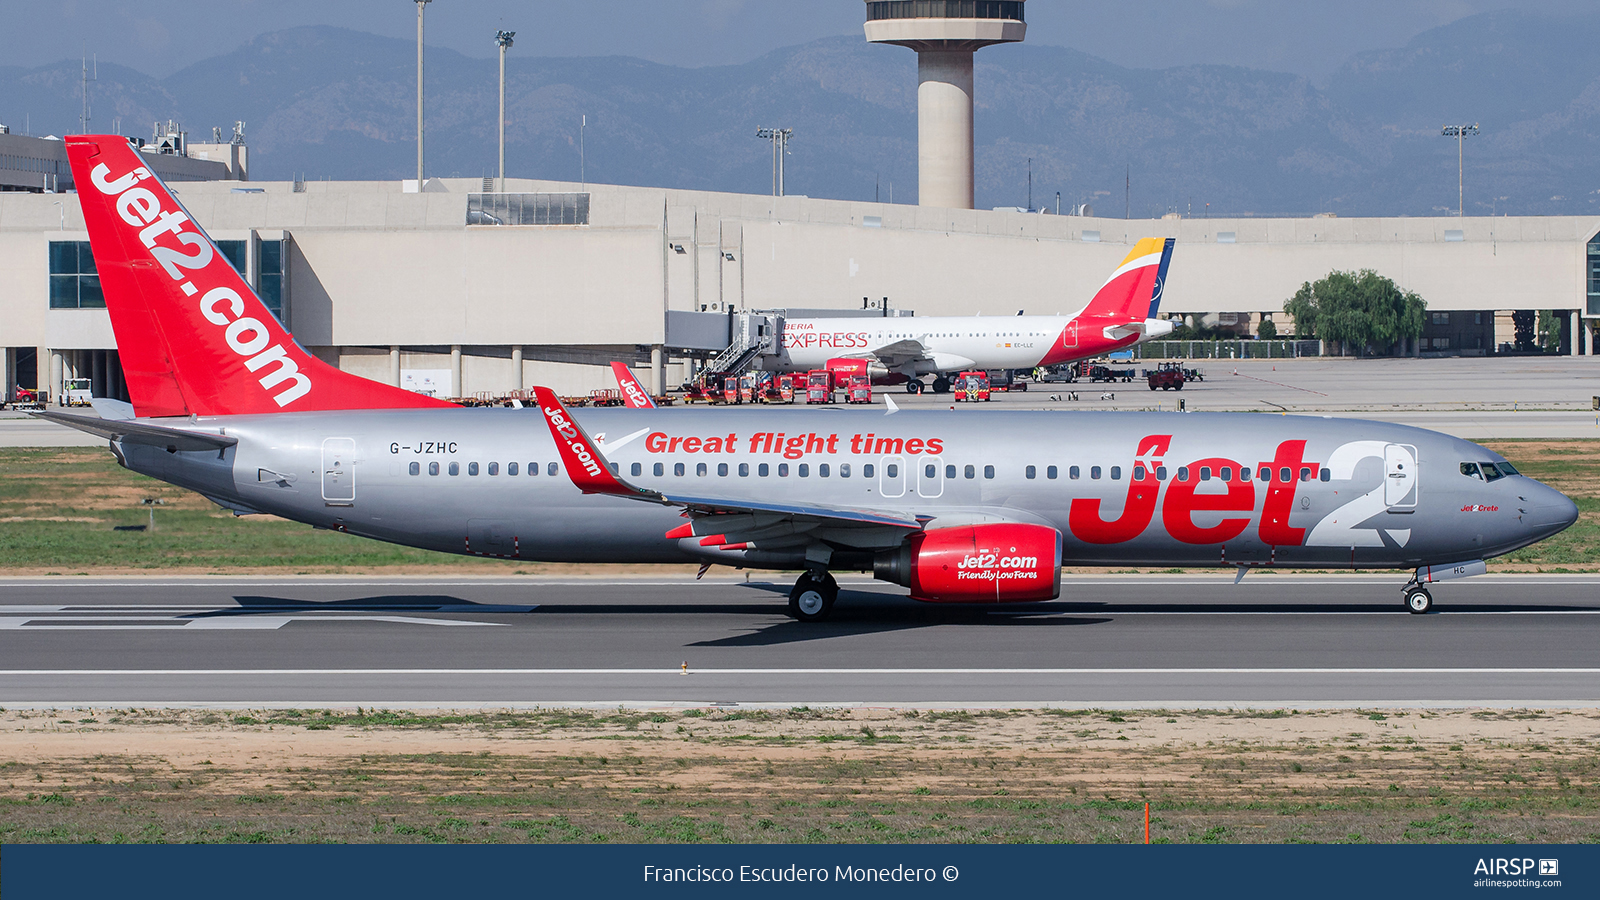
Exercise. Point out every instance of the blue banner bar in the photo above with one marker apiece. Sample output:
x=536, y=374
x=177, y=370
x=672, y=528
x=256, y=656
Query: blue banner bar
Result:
x=394, y=872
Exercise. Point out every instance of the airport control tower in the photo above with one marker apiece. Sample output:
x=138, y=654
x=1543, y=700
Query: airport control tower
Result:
x=944, y=33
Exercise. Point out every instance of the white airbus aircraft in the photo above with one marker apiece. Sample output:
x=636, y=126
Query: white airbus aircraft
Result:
x=1122, y=313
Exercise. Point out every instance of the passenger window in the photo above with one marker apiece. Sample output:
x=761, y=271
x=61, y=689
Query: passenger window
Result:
x=844, y=470
x=1029, y=472
x=636, y=469
x=988, y=471
x=1116, y=473
x=1161, y=473
x=472, y=468
x=892, y=470
x=616, y=468
x=949, y=471
x=932, y=471
x=533, y=468
x=433, y=468
x=970, y=472
x=1471, y=470
x=1326, y=475
x=1205, y=473
x=1050, y=472
x=763, y=470
x=1227, y=473
x=416, y=468
x=822, y=470
x=1265, y=474
x=803, y=470
x=744, y=470
x=866, y=470
x=552, y=470
x=722, y=470
x=511, y=468
x=1285, y=475
x=455, y=468
x=700, y=470
x=677, y=469
x=1072, y=473
x=1094, y=472
x=1138, y=473
x=783, y=470
x=1305, y=474
x=1183, y=473
x=1244, y=473
x=494, y=468
x=660, y=470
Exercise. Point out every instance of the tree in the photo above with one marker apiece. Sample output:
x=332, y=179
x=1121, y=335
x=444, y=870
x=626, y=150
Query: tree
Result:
x=1267, y=330
x=1361, y=310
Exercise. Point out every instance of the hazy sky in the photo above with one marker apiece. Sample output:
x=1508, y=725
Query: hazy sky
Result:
x=1307, y=37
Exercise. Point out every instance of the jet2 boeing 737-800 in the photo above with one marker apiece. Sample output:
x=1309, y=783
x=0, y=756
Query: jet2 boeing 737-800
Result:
x=958, y=509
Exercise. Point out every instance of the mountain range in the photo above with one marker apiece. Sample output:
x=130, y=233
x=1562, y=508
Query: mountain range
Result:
x=324, y=102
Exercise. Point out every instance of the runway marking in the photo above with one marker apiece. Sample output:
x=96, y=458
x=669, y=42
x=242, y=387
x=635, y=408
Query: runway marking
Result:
x=215, y=623
x=830, y=671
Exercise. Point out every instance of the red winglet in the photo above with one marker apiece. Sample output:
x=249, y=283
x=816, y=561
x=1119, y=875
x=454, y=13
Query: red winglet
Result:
x=585, y=466
x=633, y=393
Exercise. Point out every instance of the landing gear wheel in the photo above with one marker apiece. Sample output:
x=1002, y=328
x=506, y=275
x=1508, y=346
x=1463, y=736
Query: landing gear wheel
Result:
x=913, y=386
x=812, y=597
x=1418, y=600
x=941, y=385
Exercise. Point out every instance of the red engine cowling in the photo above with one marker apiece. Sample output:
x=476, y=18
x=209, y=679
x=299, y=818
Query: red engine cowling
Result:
x=998, y=563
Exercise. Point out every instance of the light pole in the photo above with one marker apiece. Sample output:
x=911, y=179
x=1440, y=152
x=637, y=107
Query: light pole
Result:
x=780, y=148
x=420, y=5
x=503, y=38
x=1460, y=132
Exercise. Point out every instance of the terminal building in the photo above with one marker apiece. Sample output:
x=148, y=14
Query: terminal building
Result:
x=455, y=288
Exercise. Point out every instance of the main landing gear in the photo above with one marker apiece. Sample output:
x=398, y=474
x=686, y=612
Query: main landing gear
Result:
x=914, y=386
x=1417, y=599
x=941, y=384
x=813, y=596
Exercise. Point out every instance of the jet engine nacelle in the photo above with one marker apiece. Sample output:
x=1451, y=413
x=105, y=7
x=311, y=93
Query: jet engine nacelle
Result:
x=996, y=563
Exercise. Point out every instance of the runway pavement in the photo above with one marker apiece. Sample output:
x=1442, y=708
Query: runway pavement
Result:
x=1112, y=641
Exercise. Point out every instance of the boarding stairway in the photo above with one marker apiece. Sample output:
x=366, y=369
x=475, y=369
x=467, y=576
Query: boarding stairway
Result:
x=753, y=335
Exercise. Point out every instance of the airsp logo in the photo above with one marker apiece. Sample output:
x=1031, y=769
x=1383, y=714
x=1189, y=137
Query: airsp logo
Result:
x=1549, y=867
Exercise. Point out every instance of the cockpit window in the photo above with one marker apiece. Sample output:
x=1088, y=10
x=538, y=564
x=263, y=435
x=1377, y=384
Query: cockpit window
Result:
x=1506, y=469
x=1490, y=473
x=1471, y=470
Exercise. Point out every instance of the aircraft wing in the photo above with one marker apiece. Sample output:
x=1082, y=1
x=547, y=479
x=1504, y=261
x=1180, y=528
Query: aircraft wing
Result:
x=136, y=432
x=720, y=522
x=901, y=352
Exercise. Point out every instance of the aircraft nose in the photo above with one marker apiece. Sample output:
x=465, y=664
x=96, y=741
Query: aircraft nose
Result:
x=1551, y=513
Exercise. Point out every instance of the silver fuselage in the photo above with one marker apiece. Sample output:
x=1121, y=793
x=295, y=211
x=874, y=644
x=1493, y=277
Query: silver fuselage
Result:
x=1394, y=497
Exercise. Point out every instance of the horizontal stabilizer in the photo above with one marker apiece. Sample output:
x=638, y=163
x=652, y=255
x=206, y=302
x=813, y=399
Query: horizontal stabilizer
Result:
x=129, y=431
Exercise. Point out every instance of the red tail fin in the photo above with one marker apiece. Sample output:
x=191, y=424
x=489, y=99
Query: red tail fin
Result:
x=193, y=337
x=1134, y=290
x=633, y=393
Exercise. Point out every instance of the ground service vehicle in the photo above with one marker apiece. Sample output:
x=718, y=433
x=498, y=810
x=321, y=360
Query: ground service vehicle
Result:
x=747, y=388
x=1167, y=377
x=785, y=389
x=227, y=404
x=75, y=392
x=860, y=389
x=819, y=386
x=730, y=390
x=972, y=386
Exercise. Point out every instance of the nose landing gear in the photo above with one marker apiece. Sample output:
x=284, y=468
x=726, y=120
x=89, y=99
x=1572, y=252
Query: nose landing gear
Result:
x=1417, y=599
x=813, y=596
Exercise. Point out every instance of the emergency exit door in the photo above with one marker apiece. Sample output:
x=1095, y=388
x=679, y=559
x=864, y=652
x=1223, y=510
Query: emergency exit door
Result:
x=339, y=471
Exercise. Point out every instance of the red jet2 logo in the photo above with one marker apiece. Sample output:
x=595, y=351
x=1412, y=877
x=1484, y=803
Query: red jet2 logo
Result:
x=1183, y=500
